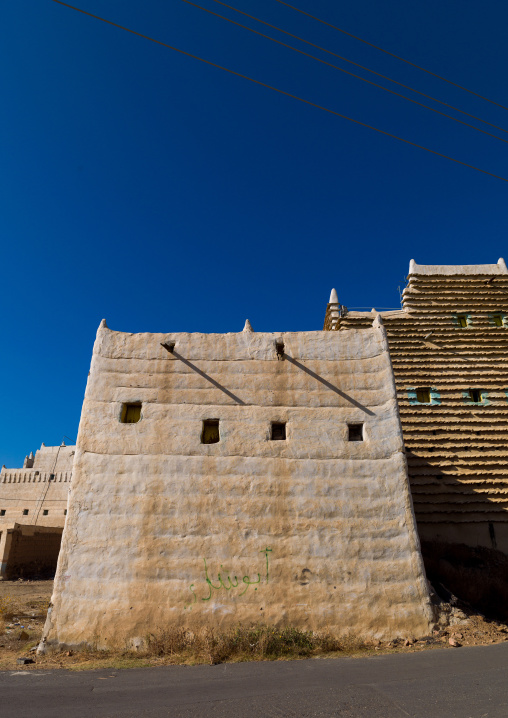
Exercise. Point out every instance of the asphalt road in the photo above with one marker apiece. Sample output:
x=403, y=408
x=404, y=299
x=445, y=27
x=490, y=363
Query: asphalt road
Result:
x=454, y=683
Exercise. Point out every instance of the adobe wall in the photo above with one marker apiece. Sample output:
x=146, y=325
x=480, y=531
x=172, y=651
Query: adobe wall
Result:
x=37, y=495
x=29, y=551
x=456, y=448
x=54, y=458
x=315, y=531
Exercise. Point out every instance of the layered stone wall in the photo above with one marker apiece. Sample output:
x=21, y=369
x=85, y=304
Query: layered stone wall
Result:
x=456, y=446
x=312, y=530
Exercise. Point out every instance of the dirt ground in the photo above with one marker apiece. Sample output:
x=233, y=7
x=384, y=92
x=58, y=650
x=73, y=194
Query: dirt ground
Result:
x=23, y=608
x=24, y=604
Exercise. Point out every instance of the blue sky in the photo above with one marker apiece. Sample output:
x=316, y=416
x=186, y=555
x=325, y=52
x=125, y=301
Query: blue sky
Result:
x=163, y=194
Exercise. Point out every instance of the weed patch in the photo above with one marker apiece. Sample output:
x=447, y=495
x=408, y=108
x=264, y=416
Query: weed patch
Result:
x=245, y=643
x=6, y=607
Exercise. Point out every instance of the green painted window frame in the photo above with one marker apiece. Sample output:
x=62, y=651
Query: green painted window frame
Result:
x=412, y=392
x=468, y=318
x=484, y=401
x=498, y=315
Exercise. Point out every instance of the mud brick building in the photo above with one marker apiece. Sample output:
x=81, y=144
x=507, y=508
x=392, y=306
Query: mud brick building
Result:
x=449, y=351
x=33, y=509
x=226, y=479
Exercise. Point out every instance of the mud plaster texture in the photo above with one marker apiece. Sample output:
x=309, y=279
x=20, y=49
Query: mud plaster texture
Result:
x=456, y=448
x=26, y=494
x=314, y=531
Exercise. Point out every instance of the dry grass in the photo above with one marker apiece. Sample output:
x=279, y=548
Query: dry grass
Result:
x=7, y=607
x=23, y=607
x=245, y=643
x=178, y=646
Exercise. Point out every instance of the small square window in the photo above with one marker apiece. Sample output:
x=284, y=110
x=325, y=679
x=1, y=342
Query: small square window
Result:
x=2, y=512
x=131, y=413
x=355, y=432
x=476, y=396
x=45, y=512
x=498, y=320
x=25, y=512
x=210, y=433
x=278, y=432
x=462, y=320
x=65, y=512
x=423, y=395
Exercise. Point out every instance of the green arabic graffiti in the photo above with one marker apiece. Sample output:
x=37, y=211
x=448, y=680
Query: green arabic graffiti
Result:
x=227, y=584
x=266, y=551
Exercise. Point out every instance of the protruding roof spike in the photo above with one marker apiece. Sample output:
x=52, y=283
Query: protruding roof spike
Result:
x=43, y=444
x=31, y=455
x=103, y=324
x=247, y=327
x=502, y=264
x=412, y=266
x=334, y=299
x=378, y=321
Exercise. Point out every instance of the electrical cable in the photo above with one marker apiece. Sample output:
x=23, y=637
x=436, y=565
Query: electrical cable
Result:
x=37, y=509
x=5, y=498
x=282, y=92
x=387, y=52
x=45, y=490
x=362, y=67
x=347, y=72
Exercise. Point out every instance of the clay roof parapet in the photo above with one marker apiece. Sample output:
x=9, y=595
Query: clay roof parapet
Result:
x=450, y=269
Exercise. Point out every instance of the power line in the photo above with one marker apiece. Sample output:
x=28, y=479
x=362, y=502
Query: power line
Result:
x=335, y=67
x=5, y=498
x=282, y=92
x=362, y=67
x=391, y=54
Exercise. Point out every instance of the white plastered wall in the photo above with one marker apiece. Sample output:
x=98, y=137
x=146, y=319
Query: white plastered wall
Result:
x=314, y=531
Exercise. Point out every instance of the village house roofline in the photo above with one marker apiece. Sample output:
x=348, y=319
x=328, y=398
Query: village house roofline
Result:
x=161, y=337
x=43, y=459
x=450, y=269
x=354, y=314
